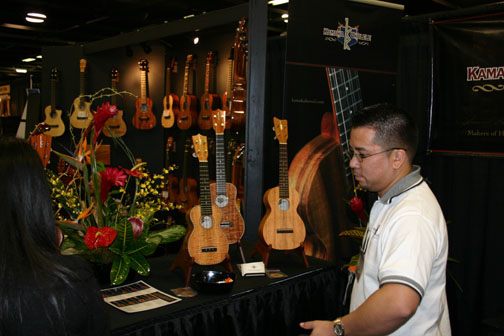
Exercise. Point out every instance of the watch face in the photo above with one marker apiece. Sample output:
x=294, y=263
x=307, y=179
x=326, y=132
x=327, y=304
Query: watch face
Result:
x=338, y=330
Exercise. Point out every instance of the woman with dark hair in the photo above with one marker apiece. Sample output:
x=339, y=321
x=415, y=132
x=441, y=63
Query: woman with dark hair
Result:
x=41, y=291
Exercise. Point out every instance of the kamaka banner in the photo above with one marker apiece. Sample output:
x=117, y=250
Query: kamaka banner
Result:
x=468, y=86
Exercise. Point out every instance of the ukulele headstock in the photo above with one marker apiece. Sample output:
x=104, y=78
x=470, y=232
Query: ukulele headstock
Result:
x=144, y=65
x=114, y=75
x=219, y=121
x=83, y=64
x=281, y=130
x=200, y=147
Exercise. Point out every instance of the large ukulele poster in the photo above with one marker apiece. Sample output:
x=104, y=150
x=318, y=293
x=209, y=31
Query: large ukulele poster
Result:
x=345, y=53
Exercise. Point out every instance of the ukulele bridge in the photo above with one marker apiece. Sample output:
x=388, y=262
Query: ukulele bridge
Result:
x=285, y=231
x=226, y=224
x=209, y=249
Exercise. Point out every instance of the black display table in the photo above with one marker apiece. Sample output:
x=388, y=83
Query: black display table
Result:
x=255, y=306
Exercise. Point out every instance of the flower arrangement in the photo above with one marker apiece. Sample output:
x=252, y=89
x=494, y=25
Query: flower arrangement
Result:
x=357, y=232
x=106, y=213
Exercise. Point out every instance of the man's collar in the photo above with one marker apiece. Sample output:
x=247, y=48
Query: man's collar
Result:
x=409, y=181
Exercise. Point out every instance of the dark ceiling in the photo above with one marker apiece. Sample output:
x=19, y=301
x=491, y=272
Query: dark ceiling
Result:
x=79, y=22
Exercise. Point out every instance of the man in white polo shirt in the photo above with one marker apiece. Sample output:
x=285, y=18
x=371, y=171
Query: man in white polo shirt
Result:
x=400, y=279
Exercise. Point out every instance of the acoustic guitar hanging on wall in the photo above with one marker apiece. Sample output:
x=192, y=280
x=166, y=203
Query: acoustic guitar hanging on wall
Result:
x=170, y=100
x=81, y=116
x=144, y=119
x=115, y=125
x=53, y=115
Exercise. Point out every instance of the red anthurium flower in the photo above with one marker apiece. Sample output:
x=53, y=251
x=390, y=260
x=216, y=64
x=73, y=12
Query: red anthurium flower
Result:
x=101, y=115
x=96, y=237
x=357, y=206
x=137, y=225
x=109, y=177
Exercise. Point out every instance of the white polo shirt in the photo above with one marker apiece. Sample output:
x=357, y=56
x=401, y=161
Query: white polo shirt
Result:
x=406, y=242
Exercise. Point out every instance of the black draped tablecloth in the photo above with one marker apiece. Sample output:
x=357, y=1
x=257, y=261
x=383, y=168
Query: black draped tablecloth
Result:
x=255, y=305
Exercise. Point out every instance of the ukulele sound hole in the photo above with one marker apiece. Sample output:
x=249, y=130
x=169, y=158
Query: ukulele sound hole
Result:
x=206, y=222
x=283, y=204
x=221, y=201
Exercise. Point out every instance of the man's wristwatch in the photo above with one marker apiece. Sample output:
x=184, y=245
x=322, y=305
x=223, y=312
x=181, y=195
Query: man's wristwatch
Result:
x=338, y=327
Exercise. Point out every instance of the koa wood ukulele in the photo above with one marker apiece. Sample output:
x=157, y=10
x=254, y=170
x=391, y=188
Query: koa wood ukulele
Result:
x=115, y=126
x=188, y=115
x=207, y=243
x=227, y=96
x=144, y=119
x=188, y=186
x=239, y=100
x=281, y=227
x=52, y=115
x=170, y=100
x=81, y=116
x=210, y=101
x=224, y=194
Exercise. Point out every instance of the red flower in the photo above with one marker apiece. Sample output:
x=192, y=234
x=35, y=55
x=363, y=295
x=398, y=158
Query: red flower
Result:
x=137, y=225
x=134, y=173
x=99, y=237
x=357, y=206
x=109, y=177
x=102, y=114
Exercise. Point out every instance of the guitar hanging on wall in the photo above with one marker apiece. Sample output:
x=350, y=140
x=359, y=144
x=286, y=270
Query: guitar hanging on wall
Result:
x=281, y=227
x=224, y=194
x=210, y=101
x=239, y=100
x=144, y=119
x=170, y=100
x=207, y=243
x=188, y=186
x=52, y=115
x=115, y=125
x=227, y=97
x=81, y=116
x=188, y=115
x=169, y=194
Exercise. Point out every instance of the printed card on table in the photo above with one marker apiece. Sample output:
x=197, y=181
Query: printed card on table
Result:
x=136, y=297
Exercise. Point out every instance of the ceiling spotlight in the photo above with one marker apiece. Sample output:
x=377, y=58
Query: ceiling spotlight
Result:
x=28, y=59
x=35, y=17
x=19, y=70
x=285, y=17
x=195, y=40
x=39, y=56
x=277, y=2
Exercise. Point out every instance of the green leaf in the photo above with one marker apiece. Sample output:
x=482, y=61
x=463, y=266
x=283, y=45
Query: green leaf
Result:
x=151, y=248
x=136, y=247
x=124, y=235
x=120, y=270
x=140, y=264
x=168, y=235
x=100, y=166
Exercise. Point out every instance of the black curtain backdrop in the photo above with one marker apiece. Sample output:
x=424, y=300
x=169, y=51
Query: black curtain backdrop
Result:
x=469, y=190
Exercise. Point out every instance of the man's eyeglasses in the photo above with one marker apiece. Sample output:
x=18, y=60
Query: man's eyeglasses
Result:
x=360, y=157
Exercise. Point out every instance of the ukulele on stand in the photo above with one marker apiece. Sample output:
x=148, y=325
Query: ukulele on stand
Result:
x=224, y=194
x=52, y=115
x=188, y=187
x=169, y=194
x=239, y=100
x=115, y=125
x=227, y=97
x=188, y=115
x=204, y=243
x=170, y=100
x=210, y=101
x=81, y=116
x=144, y=119
x=207, y=243
x=281, y=228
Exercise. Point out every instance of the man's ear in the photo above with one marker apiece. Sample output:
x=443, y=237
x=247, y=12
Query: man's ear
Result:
x=399, y=158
